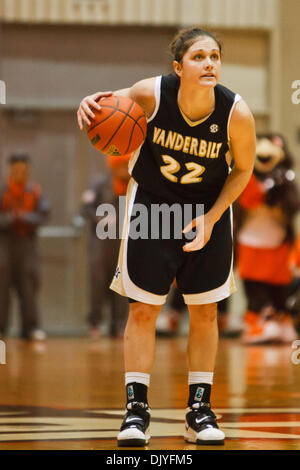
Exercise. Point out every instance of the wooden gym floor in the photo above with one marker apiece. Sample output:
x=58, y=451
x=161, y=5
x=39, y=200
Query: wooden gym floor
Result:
x=69, y=394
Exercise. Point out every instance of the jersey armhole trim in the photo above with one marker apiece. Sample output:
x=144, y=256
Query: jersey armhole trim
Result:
x=237, y=98
x=157, y=97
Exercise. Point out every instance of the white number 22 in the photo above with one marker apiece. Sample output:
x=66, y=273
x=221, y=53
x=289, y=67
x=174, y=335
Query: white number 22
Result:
x=172, y=166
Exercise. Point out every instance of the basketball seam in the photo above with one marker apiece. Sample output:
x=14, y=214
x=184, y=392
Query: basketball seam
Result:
x=128, y=115
x=103, y=148
x=131, y=134
x=107, y=117
x=130, y=138
x=140, y=125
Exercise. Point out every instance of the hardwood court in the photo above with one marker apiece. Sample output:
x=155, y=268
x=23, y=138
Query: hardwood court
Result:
x=69, y=394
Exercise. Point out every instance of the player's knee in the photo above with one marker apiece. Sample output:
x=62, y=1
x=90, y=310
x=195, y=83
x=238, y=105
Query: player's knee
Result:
x=203, y=313
x=143, y=313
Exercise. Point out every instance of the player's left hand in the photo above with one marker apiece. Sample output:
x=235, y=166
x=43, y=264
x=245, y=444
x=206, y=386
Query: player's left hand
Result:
x=204, y=226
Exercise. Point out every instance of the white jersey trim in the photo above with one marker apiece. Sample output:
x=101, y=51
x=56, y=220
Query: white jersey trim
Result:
x=215, y=295
x=136, y=153
x=131, y=289
x=133, y=159
x=237, y=98
x=157, y=97
x=218, y=294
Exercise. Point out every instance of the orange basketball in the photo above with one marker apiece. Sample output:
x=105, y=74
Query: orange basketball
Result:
x=119, y=127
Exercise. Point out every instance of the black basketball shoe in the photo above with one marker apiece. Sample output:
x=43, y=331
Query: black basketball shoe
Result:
x=201, y=427
x=134, y=431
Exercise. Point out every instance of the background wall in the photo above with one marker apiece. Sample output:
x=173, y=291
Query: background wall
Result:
x=289, y=60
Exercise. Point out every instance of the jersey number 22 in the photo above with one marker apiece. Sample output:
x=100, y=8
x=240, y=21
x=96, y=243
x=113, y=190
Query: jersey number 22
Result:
x=172, y=166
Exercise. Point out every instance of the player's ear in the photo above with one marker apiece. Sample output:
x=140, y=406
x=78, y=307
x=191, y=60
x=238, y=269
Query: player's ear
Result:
x=177, y=68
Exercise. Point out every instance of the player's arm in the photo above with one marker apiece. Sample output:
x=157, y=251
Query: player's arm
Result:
x=141, y=92
x=242, y=148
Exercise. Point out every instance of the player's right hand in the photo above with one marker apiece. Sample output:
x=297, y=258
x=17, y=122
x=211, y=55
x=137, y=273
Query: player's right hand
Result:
x=84, y=112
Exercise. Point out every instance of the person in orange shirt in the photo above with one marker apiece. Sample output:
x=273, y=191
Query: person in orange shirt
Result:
x=264, y=218
x=295, y=258
x=23, y=208
x=103, y=254
x=293, y=300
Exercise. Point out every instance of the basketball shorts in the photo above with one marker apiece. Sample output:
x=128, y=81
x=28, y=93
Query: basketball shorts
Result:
x=148, y=266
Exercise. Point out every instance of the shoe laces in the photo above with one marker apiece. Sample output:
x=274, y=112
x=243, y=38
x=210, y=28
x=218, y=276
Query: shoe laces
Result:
x=137, y=409
x=203, y=407
x=138, y=413
x=137, y=406
x=134, y=405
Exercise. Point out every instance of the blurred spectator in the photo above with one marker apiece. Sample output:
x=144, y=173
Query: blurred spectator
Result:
x=23, y=208
x=103, y=254
x=293, y=301
x=264, y=216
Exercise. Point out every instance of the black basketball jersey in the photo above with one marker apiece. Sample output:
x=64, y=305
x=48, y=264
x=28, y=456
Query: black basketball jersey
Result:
x=180, y=160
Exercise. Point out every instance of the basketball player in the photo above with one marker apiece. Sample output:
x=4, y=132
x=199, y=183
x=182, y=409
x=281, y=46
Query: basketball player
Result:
x=192, y=123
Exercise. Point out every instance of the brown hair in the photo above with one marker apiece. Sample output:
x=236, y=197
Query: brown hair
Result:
x=185, y=38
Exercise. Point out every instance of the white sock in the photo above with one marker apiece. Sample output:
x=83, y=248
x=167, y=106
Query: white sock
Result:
x=138, y=377
x=201, y=378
